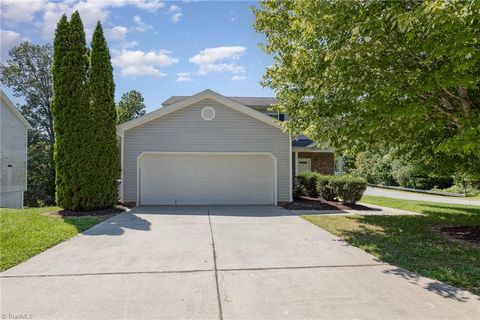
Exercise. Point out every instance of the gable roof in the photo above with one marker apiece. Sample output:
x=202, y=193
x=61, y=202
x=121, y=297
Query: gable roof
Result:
x=251, y=102
x=14, y=109
x=187, y=101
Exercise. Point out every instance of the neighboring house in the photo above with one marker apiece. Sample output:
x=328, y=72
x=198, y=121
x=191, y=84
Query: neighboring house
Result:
x=13, y=154
x=212, y=149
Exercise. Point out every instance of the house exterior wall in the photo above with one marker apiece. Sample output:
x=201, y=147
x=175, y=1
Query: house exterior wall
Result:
x=13, y=157
x=11, y=199
x=185, y=131
x=322, y=162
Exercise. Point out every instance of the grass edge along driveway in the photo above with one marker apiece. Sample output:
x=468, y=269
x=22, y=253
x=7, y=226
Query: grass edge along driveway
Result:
x=414, y=242
x=25, y=233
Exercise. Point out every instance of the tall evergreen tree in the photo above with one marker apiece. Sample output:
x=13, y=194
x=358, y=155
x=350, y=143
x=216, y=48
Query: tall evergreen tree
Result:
x=102, y=98
x=72, y=117
x=60, y=98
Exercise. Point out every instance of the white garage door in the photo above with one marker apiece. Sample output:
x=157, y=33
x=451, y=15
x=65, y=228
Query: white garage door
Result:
x=187, y=179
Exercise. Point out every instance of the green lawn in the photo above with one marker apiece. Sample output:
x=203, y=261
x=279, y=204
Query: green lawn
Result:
x=27, y=232
x=412, y=242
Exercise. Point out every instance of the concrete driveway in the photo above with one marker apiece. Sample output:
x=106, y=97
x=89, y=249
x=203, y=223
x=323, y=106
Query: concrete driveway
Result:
x=220, y=262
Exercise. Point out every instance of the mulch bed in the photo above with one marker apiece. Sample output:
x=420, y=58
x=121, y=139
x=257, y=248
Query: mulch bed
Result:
x=307, y=203
x=101, y=212
x=465, y=233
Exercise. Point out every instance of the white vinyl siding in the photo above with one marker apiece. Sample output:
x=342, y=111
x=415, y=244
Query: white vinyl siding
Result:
x=13, y=156
x=185, y=131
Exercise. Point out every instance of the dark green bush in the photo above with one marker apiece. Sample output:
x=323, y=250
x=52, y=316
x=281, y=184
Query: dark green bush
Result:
x=325, y=189
x=309, y=181
x=349, y=189
x=298, y=189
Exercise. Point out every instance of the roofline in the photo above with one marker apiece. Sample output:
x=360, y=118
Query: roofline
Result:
x=228, y=97
x=206, y=94
x=10, y=104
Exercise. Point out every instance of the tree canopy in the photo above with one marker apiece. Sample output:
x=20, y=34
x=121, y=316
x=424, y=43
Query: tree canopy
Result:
x=403, y=75
x=130, y=106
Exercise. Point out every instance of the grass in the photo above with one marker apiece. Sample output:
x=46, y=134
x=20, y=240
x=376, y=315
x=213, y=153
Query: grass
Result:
x=413, y=242
x=27, y=232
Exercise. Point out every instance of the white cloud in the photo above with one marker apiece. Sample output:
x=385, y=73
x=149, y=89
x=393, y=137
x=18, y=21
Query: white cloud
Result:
x=220, y=60
x=9, y=39
x=15, y=11
x=175, y=12
x=212, y=55
x=91, y=11
x=238, y=77
x=118, y=35
x=140, y=25
x=184, y=76
x=220, y=68
x=134, y=63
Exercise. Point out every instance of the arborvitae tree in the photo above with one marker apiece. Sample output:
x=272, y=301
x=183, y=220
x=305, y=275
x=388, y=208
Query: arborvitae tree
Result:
x=72, y=117
x=102, y=98
x=60, y=100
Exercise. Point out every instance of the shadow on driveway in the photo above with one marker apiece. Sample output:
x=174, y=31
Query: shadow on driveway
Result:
x=116, y=226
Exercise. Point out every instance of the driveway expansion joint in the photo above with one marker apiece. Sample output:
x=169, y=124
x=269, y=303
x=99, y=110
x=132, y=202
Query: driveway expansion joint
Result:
x=219, y=300
x=304, y=267
x=187, y=271
x=104, y=273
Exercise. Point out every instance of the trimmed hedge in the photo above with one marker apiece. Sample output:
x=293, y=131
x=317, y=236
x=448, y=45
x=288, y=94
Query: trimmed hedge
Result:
x=349, y=189
x=325, y=188
x=309, y=182
x=346, y=188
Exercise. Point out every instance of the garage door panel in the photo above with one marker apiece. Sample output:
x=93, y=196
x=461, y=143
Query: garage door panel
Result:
x=206, y=179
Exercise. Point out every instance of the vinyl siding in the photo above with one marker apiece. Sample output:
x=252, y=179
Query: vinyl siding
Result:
x=13, y=157
x=186, y=131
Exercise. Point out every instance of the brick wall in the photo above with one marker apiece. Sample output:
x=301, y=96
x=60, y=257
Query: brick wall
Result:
x=322, y=162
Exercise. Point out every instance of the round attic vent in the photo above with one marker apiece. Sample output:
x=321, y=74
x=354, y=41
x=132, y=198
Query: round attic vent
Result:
x=208, y=113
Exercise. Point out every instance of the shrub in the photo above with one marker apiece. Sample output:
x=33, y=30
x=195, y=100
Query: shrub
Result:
x=309, y=181
x=325, y=189
x=298, y=189
x=349, y=189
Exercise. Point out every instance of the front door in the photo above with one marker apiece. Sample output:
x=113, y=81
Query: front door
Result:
x=304, y=165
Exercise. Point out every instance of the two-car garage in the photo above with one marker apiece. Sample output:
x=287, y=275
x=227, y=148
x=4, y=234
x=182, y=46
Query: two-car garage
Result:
x=206, y=178
x=205, y=149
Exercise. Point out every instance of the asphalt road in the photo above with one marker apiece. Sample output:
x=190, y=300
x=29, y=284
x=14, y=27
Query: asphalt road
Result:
x=419, y=196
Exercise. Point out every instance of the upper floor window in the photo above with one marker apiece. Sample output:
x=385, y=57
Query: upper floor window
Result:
x=276, y=115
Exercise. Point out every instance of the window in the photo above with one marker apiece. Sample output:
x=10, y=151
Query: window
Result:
x=276, y=115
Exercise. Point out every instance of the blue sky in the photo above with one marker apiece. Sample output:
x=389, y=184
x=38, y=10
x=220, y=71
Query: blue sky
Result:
x=160, y=48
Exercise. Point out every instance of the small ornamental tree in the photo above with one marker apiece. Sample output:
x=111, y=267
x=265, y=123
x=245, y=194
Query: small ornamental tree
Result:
x=72, y=117
x=104, y=115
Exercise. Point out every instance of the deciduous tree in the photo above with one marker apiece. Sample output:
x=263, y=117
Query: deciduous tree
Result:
x=371, y=74
x=130, y=106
